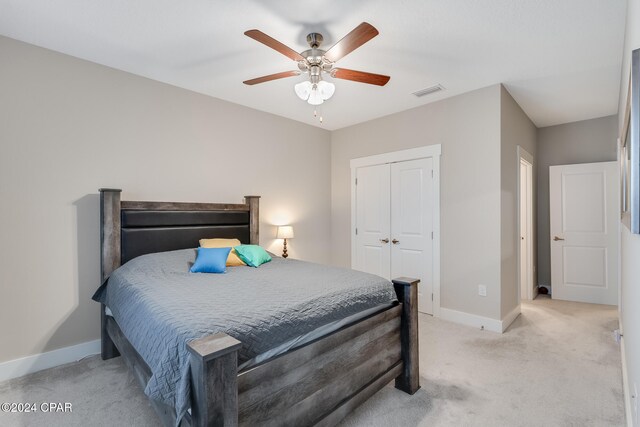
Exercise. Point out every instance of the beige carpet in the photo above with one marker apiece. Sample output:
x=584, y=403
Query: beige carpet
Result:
x=557, y=365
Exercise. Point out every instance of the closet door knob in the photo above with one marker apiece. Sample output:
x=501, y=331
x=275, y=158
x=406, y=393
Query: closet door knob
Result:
x=384, y=240
x=556, y=238
x=395, y=242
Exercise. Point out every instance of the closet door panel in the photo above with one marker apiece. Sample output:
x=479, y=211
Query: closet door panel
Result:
x=373, y=220
x=412, y=225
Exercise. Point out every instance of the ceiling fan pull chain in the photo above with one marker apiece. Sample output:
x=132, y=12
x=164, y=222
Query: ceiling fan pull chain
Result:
x=317, y=112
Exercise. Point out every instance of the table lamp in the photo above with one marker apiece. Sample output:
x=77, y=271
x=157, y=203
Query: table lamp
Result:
x=284, y=232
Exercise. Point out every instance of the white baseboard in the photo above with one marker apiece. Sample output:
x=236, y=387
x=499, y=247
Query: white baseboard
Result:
x=476, y=321
x=37, y=362
x=625, y=386
x=509, y=318
x=471, y=320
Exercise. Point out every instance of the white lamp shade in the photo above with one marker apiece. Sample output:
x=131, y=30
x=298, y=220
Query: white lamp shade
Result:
x=284, y=232
x=303, y=90
x=326, y=89
x=315, y=98
x=314, y=94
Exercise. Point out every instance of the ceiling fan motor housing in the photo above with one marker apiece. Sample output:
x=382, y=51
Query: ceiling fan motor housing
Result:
x=315, y=62
x=314, y=40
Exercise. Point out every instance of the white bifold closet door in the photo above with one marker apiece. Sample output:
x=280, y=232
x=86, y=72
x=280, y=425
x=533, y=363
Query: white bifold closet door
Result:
x=394, y=222
x=373, y=220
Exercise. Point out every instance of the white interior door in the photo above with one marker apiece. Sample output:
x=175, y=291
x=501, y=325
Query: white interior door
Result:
x=373, y=220
x=584, y=238
x=412, y=226
x=526, y=230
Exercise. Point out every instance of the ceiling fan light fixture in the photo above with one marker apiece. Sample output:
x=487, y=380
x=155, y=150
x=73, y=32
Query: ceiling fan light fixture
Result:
x=315, y=98
x=303, y=90
x=326, y=89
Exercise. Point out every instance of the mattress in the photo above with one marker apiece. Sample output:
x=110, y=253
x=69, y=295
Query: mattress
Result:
x=160, y=306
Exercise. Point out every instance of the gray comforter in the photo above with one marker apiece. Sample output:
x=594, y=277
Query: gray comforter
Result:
x=160, y=306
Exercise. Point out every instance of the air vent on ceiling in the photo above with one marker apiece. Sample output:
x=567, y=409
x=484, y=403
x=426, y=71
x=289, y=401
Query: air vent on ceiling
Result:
x=428, y=91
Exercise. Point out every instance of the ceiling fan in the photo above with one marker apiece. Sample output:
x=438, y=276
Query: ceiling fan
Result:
x=316, y=62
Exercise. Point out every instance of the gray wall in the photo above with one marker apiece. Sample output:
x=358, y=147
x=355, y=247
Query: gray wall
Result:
x=516, y=129
x=468, y=127
x=630, y=243
x=68, y=127
x=587, y=141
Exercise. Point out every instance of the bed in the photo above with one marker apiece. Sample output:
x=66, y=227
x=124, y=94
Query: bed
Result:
x=309, y=368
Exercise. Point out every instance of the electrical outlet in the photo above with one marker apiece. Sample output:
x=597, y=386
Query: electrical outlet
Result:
x=482, y=290
x=617, y=336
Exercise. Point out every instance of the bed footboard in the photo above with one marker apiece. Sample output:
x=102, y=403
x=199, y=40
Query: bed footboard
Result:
x=307, y=386
x=214, y=379
x=407, y=293
x=318, y=384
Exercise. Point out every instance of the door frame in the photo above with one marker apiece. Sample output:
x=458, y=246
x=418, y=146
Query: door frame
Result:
x=427, y=151
x=524, y=155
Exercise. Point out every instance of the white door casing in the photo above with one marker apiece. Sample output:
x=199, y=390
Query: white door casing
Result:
x=412, y=225
x=584, y=240
x=373, y=219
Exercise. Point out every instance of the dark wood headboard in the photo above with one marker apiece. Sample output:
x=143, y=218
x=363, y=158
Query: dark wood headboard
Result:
x=132, y=228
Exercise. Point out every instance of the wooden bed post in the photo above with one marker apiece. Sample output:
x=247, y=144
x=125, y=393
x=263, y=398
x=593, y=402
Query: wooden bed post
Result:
x=254, y=218
x=407, y=292
x=214, y=380
x=109, y=256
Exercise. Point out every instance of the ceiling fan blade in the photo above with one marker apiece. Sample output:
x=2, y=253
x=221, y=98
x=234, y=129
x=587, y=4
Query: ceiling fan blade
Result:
x=274, y=44
x=356, y=38
x=271, y=77
x=360, y=76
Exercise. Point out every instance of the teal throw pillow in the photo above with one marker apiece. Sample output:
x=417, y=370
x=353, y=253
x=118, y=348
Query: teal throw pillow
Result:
x=211, y=260
x=252, y=255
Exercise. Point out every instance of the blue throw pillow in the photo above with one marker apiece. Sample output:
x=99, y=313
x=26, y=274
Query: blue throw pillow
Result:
x=211, y=260
x=252, y=255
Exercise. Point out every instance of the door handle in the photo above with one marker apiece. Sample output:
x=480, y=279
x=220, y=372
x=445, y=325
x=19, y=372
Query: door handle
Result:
x=556, y=238
x=395, y=242
x=384, y=240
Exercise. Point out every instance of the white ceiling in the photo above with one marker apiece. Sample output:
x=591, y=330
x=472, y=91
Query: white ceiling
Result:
x=560, y=59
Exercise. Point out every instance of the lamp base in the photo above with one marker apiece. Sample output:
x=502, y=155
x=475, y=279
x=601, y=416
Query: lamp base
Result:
x=284, y=249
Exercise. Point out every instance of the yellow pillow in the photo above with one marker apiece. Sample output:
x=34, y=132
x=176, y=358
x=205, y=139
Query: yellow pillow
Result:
x=232, y=260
